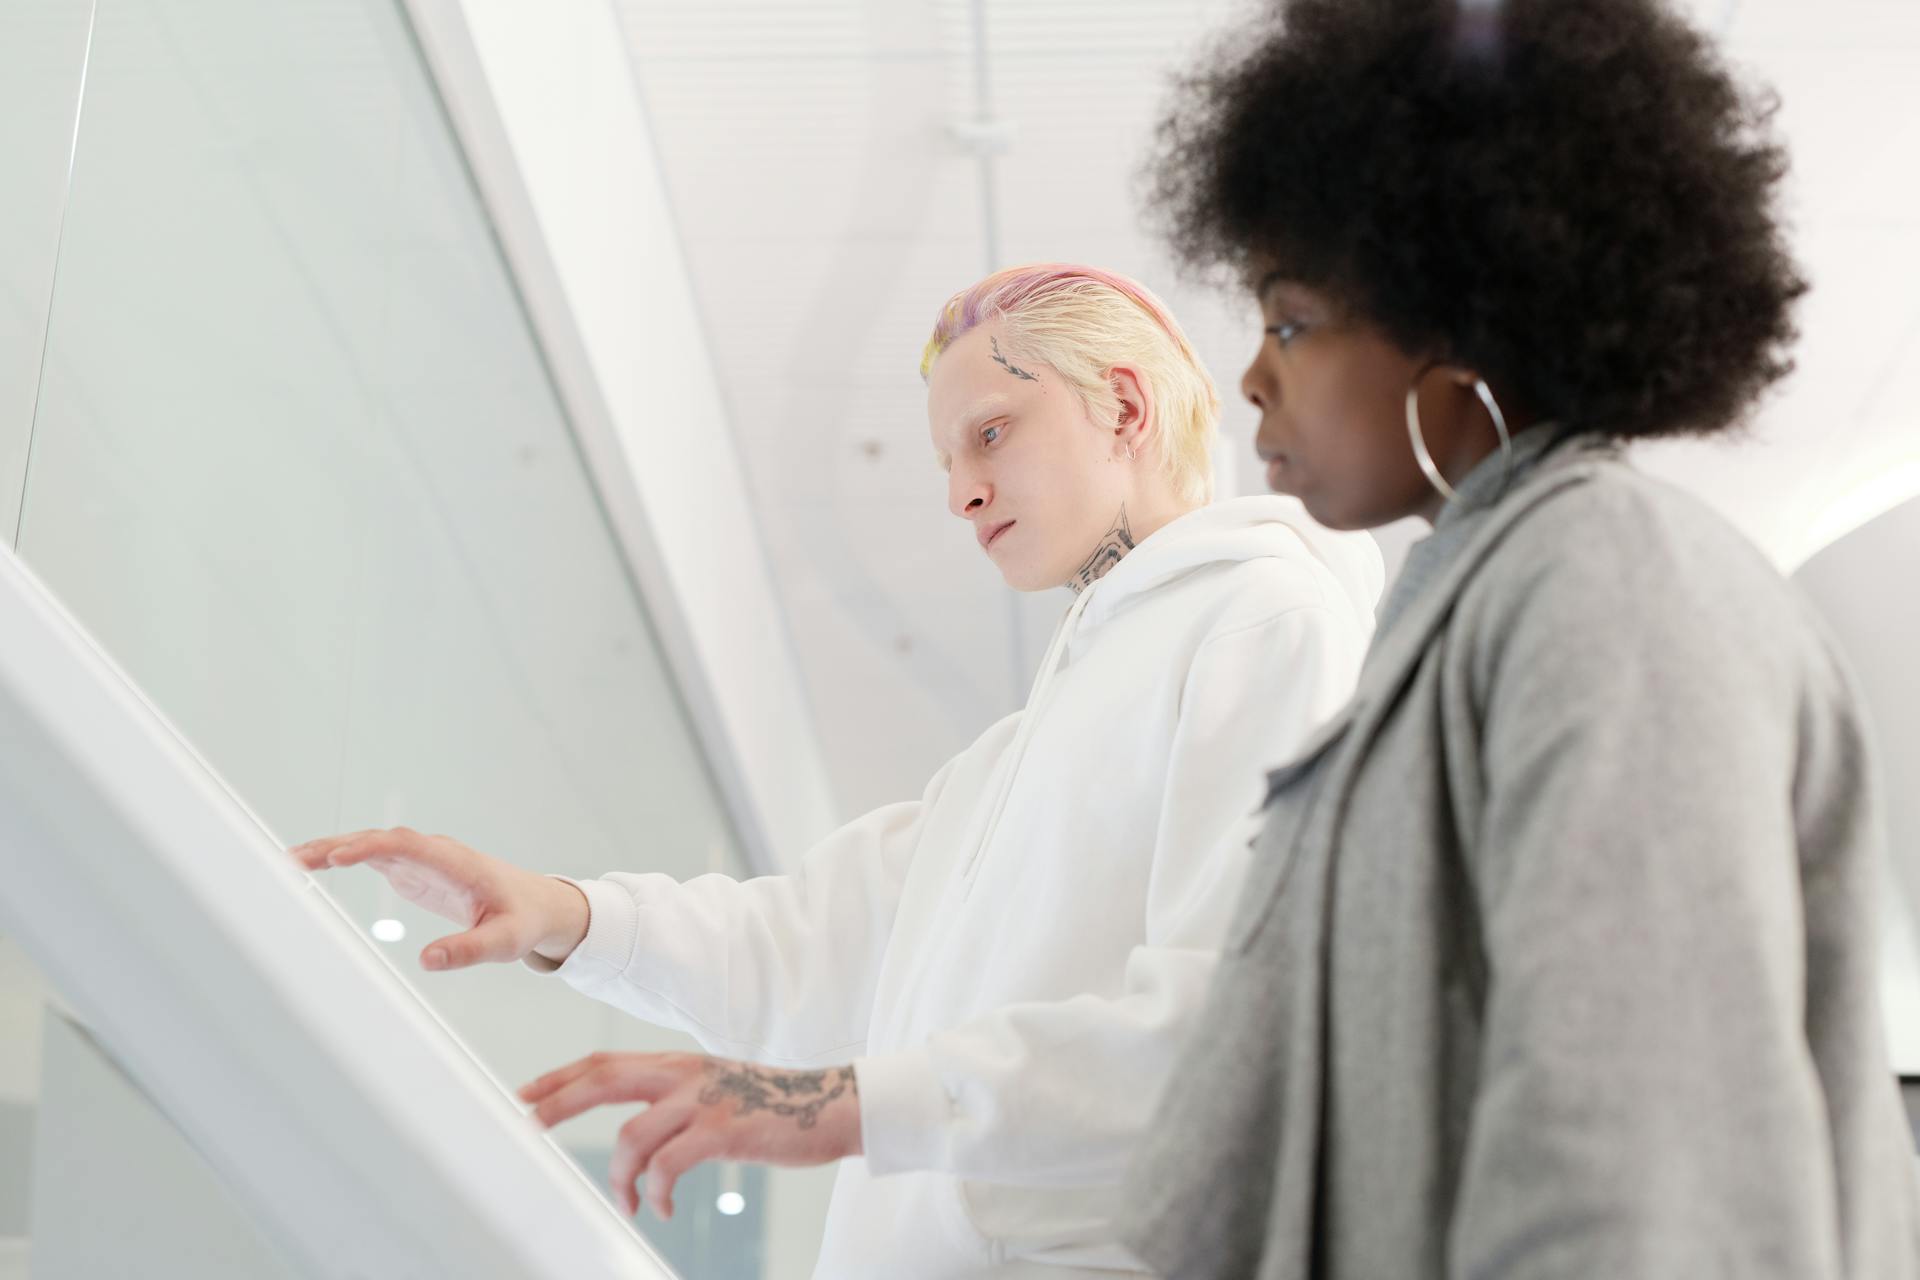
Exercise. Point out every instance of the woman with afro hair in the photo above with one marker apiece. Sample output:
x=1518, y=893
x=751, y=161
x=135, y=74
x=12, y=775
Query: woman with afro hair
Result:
x=1557, y=956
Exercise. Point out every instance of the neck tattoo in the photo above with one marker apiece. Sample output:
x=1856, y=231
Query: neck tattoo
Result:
x=1117, y=542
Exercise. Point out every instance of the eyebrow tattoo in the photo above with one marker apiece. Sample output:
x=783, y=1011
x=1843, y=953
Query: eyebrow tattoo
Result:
x=1013, y=369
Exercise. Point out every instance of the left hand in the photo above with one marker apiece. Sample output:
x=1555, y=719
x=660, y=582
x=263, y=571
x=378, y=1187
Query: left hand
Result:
x=702, y=1108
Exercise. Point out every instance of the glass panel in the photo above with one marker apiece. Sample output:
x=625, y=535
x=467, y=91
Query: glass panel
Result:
x=42, y=67
x=43, y=46
x=252, y=1091
x=298, y=467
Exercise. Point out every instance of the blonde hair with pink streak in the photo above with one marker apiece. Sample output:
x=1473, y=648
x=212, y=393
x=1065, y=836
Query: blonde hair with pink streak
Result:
x=1083, y=321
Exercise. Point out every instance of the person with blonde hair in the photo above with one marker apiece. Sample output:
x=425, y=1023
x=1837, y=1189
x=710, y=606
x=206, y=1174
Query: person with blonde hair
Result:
x=971, y=1000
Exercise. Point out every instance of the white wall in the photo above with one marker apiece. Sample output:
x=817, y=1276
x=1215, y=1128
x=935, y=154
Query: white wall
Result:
x=1863, y=586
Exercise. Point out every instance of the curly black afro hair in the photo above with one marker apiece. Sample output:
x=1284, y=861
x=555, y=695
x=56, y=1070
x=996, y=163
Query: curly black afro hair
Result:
x=1572, y=197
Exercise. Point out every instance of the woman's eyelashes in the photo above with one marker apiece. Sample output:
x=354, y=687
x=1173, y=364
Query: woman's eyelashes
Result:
x=988, y=435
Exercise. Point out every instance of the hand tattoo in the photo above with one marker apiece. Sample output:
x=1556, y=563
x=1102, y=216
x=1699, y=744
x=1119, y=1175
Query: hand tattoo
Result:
x=801, y=1094
x=1117, y=543
x=1013, y=369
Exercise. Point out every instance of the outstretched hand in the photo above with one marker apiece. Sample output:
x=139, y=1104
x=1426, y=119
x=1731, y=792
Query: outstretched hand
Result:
x=702, y=1108
x=508, y=912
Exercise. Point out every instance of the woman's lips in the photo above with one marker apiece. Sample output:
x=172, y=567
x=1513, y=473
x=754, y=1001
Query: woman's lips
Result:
x=1276, y=468
x=990, y=534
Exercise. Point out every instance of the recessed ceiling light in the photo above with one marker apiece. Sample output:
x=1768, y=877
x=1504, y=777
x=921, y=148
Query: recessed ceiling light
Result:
x=389, y=930
x=731, y=1203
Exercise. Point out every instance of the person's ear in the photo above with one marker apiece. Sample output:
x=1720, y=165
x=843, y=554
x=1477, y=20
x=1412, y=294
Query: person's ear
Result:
x=1482, y=402
x=1133, y=417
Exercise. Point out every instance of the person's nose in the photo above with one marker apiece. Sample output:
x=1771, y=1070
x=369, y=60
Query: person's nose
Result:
x=967, y=492
x=1256, y=386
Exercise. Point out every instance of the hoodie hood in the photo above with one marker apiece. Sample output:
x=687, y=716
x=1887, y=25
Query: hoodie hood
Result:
x=1241, y=529
x=1222, y=533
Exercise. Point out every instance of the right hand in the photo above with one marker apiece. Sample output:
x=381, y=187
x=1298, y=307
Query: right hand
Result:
x=508, y=912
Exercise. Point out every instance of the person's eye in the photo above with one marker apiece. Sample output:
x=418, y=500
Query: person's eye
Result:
x=1286, y=331
x=990, y=434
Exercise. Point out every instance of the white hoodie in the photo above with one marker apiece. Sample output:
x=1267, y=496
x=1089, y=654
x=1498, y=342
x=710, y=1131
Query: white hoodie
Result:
x=1013, y=961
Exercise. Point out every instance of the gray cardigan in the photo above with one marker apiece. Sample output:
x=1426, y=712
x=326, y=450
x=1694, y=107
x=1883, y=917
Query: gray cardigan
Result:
x=1557, y=957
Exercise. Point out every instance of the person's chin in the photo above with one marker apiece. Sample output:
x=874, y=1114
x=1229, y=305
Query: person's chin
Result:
x=1023, y=577
x=1279, y=475
x=1337, y=518
x=1020, y=582
x=1285, y=480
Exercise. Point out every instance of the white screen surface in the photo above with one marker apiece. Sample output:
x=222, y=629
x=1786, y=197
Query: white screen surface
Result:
x=362, y=1136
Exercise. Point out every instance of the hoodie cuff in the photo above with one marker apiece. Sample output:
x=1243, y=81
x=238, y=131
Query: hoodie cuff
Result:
x=613, y=927
x=906, y=1117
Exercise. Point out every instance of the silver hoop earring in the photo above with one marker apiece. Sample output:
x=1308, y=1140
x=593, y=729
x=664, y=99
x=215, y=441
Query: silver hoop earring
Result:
x=1425, y=459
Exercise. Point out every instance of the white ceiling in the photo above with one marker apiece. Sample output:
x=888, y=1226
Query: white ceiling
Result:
x=827, y=209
